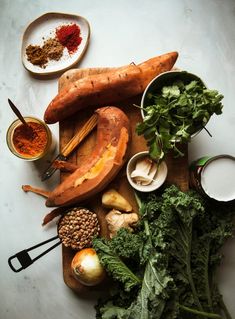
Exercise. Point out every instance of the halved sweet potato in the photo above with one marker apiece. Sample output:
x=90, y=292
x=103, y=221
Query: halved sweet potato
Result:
x=113, y=135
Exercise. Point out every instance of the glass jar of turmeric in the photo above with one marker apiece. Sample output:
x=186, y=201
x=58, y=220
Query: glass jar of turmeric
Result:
x=31, y=142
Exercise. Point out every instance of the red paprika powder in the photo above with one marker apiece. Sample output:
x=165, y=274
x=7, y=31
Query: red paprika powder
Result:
x=69, y=36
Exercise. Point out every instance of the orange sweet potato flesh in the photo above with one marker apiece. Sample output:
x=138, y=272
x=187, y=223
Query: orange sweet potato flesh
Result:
x=107, y=88
x=107, y=158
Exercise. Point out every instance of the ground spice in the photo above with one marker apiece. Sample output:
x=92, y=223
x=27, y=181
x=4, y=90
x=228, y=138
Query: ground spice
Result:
x=30, y=143
x=51, y=49
x=69, y=36
x=36, y=55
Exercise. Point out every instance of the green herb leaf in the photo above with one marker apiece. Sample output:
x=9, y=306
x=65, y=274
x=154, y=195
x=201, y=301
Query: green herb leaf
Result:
x=175, y=114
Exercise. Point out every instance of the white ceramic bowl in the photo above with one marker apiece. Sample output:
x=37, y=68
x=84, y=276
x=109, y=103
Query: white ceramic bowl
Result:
x=167, y=78
x=159, y=178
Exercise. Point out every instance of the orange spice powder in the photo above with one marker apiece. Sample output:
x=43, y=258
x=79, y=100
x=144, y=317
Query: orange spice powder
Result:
x=30, y=142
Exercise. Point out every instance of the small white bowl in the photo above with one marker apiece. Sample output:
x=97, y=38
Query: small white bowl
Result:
x=159, y=178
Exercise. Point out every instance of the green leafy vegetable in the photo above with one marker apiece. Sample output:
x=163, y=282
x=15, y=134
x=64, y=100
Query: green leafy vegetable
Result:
x=115, y=266
x=173, y=115
x=166, y=269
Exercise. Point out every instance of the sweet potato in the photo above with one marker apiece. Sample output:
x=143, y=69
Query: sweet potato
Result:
x=107, y=88
x=73, y=75
x=107, y=158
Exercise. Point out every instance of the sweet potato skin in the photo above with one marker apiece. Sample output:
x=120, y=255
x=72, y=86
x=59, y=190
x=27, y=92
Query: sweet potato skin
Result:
x=107, y=158
x=107, y=88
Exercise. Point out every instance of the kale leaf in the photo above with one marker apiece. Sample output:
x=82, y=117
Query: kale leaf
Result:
x=114, y=265
x=166, y=269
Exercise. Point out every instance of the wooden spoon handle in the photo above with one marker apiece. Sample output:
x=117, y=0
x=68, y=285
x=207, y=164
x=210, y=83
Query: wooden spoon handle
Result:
x=17, y=112
x=80, y=135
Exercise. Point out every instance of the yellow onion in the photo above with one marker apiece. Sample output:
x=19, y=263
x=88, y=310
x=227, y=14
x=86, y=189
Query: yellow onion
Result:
x=86, y=267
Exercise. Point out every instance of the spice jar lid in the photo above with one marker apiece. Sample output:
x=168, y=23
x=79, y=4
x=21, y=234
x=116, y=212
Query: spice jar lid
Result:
x=29, y=146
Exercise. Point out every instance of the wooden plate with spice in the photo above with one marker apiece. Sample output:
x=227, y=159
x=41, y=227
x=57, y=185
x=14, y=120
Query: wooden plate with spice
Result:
x=54, y=42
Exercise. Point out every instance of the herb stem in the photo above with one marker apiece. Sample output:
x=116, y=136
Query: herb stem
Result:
x=146, y=227
x=138, y=201
x=206, y=276
x=224, y=308
x=200, y=313
x=139, y=107
x=207, y=131
x=189, y=272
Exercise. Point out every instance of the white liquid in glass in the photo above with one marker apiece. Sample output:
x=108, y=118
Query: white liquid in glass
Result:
x=218, y=179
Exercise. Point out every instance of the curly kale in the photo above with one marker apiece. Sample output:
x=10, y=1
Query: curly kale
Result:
x=166, y=269
x=114, y=265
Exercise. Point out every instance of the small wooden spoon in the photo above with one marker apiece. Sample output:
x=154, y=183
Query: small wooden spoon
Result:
x=20, y=116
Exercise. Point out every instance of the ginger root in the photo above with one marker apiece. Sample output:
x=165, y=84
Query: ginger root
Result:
x=116, y=220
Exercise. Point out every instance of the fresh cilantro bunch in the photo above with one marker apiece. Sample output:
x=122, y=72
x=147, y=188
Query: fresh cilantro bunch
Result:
x=175, y=113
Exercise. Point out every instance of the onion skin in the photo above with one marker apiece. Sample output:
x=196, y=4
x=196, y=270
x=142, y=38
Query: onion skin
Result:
x=86, y=267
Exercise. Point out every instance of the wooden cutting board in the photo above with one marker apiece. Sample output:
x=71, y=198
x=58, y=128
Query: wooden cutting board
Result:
x=177, y=167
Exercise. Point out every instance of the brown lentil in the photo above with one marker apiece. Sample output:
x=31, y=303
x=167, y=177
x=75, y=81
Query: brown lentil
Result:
x=74, y=231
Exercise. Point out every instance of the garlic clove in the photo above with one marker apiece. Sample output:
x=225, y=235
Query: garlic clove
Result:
x=144, y=175
x=153, y=169
x=144, y=165
x=139, y=177
x=138, y=174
